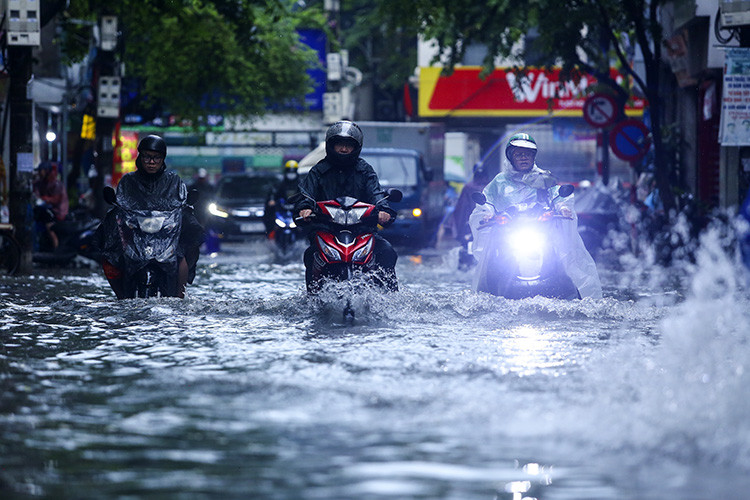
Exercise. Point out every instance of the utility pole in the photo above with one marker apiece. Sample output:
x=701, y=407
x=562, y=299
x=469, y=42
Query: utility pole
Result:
x=107, y=106
x=21, y=156
x=22, y=33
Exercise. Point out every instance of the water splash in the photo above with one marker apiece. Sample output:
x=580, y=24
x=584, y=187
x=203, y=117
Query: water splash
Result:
x=687, y=396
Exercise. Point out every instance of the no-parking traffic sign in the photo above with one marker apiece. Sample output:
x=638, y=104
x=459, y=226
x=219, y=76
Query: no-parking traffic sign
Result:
x=629, y=140
x=600, y=110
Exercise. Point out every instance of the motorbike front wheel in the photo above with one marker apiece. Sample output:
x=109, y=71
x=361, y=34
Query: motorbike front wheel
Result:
x=151, y=281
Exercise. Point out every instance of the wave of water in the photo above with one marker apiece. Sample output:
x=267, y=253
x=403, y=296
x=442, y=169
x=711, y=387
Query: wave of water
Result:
x=685, y=397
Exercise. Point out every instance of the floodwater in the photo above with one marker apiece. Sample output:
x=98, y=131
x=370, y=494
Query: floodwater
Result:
x=250, y=389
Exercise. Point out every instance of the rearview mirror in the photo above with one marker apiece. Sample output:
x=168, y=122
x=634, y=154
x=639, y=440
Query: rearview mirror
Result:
x=193, y=196
x=566, y=190
x=429, y=174
x=479, y=198
x=109, y=195
x=395, y=195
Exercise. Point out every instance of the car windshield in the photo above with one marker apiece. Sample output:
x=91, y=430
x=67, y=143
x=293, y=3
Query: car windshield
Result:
x=393, y=170
x=245, y=188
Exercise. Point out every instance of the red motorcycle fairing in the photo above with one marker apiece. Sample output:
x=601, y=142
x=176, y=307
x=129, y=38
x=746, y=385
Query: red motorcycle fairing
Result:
x=357, y=250
x=335, y=211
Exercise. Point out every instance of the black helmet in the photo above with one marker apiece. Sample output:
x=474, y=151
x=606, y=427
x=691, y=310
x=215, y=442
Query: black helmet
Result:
x=153, y=143
x=339, y=132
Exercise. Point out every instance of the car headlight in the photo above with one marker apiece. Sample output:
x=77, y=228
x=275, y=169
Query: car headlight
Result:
x=213, y=209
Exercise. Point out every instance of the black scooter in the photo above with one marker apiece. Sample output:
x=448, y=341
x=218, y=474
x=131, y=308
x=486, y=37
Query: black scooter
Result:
x=75, y=235
x=149, y=240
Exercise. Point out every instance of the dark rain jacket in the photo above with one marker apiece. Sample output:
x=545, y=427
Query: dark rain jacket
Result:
x=327, y=182
x=162, y=191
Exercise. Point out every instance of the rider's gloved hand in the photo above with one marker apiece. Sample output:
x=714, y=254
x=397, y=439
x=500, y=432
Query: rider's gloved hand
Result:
x=383, y=217
x=566, y=212
x=305, y=213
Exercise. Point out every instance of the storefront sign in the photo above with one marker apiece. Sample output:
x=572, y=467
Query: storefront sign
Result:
x=126, y=150
x=506, y=93
x=735, y=105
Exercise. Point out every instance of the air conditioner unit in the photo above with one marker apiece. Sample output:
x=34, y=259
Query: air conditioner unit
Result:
x=735, y=13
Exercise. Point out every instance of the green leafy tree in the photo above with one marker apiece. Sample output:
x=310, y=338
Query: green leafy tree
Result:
x=581, y=36
x=380, y=44
x=196, y=57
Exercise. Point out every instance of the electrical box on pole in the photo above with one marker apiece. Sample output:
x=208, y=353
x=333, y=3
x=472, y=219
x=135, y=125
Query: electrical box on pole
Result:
x=333, y=107
x=334, y=67
x=108, y=33
x=108, y=97
x=22, y=22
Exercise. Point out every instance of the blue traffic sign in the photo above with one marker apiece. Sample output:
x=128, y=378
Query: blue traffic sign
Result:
x=630, y=140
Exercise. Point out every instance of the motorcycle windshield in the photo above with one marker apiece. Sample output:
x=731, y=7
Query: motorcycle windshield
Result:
x=151, y=235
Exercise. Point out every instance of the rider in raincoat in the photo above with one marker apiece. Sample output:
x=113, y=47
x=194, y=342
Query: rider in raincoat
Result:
x=522, y=181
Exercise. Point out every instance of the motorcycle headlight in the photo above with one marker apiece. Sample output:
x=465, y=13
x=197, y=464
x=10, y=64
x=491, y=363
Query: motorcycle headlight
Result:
x=331, y=253
x=361, y=254
x=214, y=209
x=280, y=223
x=526, y=241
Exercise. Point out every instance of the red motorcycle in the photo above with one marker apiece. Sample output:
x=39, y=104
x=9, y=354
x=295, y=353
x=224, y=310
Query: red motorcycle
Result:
x=342, y=235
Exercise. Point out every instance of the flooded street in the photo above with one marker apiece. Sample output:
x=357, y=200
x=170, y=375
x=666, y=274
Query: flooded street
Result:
x=250, y=389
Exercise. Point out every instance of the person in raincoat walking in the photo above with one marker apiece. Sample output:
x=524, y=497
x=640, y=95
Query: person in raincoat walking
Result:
x=522, y=181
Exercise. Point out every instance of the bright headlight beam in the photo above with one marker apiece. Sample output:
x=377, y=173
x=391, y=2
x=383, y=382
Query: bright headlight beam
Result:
x=215, y=210
x=527, y=240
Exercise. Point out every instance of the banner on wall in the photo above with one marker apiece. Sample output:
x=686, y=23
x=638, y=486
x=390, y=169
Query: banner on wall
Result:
x=735, y=105
x=126, y=149
x=505, y=93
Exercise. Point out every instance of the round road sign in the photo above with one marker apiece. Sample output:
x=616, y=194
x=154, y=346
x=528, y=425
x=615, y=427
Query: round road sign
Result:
x=629, y=140
x=600, y=110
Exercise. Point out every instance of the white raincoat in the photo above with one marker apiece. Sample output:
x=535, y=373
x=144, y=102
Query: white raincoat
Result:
x=511, y=187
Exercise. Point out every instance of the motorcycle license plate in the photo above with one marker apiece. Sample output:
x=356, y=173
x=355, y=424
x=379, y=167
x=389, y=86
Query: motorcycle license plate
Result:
x=252, y=227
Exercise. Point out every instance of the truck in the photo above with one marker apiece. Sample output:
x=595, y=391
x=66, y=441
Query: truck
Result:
x=408, y=156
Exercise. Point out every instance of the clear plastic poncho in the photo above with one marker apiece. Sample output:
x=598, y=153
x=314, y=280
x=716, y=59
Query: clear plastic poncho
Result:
x=511, y=187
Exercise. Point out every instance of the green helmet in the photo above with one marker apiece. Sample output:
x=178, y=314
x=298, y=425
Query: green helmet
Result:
x=522, y=140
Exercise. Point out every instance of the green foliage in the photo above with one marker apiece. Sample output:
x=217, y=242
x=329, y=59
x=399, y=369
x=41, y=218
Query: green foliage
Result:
x=193, y=56
x=380, y=44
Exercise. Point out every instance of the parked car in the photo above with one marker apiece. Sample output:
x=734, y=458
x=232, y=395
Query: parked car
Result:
x=238, y=205
x=422, y=207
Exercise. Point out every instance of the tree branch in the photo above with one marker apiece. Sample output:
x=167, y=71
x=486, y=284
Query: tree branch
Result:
x=618, y=49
